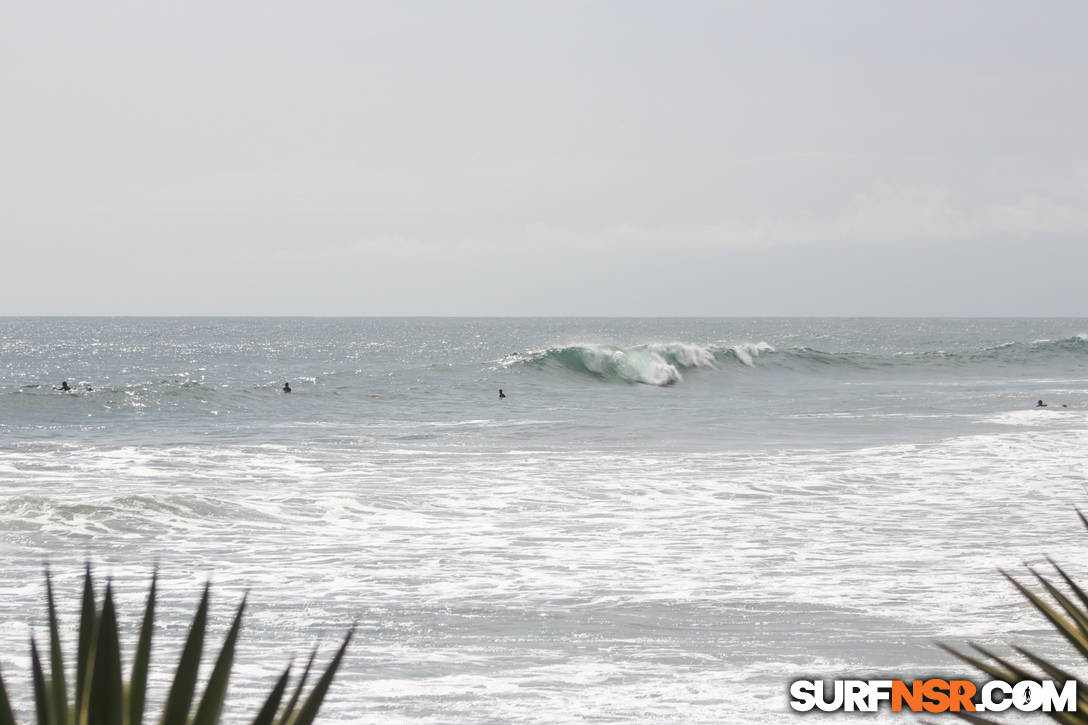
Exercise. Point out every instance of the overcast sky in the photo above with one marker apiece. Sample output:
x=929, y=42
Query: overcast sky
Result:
x=544, y=158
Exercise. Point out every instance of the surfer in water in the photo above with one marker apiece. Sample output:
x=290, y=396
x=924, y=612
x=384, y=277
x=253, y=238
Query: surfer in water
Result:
x=501, y=394
x=1040, y=404
x=287, y=387
x=64, y=387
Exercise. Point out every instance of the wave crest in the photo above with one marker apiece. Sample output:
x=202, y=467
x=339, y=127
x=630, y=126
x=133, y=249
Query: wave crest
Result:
x=665, y=363
x=651, y=364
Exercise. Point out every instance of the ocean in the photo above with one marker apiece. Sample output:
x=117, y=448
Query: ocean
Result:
x=664, y=520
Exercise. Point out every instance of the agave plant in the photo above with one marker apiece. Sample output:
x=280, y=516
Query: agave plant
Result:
x=102, y=697
x=1068, y=615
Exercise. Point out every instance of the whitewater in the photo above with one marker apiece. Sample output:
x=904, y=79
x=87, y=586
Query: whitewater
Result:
x=665, y=520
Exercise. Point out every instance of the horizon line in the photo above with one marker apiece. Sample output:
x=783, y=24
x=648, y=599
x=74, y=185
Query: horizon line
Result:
x=543, y=317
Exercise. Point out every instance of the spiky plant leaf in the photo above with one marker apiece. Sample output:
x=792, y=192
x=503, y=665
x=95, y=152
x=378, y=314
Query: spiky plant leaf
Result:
x=1076, y=615
x=1070, y=618
x=1055, y=673
x=1019, y=674
x=290, y=709
x=996, y=673
x=180, y=699
x=1007, y=672
x=211, y=704
x=88, y=622
x=137, y=688
x=308, y=711
x=267, y=715
x=7, y=716
x=102, y=698
x=105, y=701
x=41, y=696
x=1083, y=520
x=58, y=689
x=1064, y=626
x=1081, y=595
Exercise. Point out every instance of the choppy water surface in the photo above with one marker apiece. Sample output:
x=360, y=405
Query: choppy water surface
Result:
x=665, y=520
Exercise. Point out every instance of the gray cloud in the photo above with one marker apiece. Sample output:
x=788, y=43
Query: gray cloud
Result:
x=383, y=158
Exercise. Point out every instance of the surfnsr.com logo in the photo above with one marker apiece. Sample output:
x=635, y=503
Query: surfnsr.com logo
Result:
x=933, y=695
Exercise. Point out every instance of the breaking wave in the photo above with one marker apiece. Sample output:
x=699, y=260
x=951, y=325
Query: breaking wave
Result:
x=666, y=363
x=651, y=364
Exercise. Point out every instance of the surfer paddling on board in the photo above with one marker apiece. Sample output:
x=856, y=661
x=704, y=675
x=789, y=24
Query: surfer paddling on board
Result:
x=1040, y=404
x=287, y=387
x=501, y=394
x=64, y=388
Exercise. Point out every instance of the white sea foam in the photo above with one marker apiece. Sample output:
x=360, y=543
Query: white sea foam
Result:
x=479, y=572
x=747, y=352
x=583, y=550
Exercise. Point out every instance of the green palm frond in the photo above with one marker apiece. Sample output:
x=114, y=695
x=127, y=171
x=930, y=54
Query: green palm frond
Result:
x=180, y=699
x=105, y=700
x=1068, y=614
x=267, y=715
x=141, y=661
x=308, y=711
x=102, y=697
x=58, y=687
x=7, y=715
x=88, y=622
x=41, y=699
x=207, y=713
x=290, y=709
